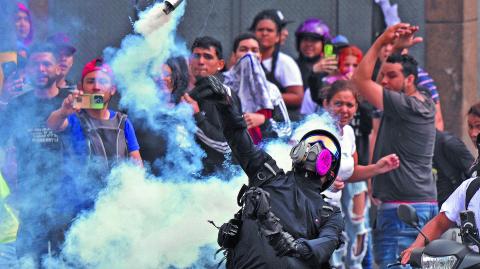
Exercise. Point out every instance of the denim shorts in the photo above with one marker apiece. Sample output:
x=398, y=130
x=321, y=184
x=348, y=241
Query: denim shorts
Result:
x=391, y=236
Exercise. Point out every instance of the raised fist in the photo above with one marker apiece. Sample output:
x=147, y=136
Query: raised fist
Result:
x=210, y=88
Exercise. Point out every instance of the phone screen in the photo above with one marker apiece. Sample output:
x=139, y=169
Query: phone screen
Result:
x=8, y=69
x=328, y=50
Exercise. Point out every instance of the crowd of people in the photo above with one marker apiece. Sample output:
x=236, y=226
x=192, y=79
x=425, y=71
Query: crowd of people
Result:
x=391, y=147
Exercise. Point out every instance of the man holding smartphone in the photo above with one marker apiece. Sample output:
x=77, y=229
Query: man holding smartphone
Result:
x=35, y=174
x=95, y=130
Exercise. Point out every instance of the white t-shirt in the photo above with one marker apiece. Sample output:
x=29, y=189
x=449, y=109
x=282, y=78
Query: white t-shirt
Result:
x=347, y=144
x=456, y=203
x=308, y=105
x=286, y=71
x=347, y=163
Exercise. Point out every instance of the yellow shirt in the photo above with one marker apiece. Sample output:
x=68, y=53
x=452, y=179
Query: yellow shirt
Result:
x=8, y=220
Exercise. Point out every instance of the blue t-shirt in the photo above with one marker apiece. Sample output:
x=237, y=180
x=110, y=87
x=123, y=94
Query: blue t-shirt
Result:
x=79, y=141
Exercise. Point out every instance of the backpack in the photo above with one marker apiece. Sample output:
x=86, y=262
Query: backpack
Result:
x=105, y=138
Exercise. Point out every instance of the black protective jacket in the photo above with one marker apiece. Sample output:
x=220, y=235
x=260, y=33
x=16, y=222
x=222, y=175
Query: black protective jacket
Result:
x=294, y=199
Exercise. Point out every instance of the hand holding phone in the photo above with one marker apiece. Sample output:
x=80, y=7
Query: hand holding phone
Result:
x=328, y=51
x=8, y=69
x=328, y=63
x=89, y=101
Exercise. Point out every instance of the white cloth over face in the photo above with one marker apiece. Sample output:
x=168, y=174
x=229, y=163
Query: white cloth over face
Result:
x=247, y=79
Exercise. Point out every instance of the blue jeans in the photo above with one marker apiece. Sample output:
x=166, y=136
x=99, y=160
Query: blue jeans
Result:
x=367, y=262
x=391, y=236
x=8, y=255
x=355, y=226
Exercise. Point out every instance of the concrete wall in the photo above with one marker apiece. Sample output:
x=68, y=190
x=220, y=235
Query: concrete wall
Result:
x=452, y=59
x=359, y=20
x=96, y=24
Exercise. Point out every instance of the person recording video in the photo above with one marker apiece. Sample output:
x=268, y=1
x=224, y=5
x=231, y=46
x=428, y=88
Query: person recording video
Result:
x=93, y=127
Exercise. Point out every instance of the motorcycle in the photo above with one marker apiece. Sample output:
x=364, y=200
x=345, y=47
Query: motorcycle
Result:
x=442, y=253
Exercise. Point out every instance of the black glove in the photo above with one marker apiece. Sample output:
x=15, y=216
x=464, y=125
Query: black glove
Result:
x=302, y=250
x=256, y=203
x=285, y=245
x=229, y=233
x=210, y=88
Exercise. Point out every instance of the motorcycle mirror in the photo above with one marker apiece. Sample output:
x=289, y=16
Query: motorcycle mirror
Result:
x=408, y=214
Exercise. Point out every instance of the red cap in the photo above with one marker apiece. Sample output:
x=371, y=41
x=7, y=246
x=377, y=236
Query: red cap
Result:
x=97, y=64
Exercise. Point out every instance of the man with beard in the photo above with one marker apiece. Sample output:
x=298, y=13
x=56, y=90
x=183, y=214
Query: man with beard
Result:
x=39, y=153
x=407, y=128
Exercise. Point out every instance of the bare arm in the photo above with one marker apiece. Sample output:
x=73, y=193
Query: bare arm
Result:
x=438, y=117
x=293, y=96
x=370, y=90
x=135, y=155
x=433, y=230
x=364, y=172
x=57, y=120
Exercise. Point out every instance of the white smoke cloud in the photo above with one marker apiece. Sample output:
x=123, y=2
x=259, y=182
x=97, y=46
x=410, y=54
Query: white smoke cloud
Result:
x=144, y=222
x=140, y=221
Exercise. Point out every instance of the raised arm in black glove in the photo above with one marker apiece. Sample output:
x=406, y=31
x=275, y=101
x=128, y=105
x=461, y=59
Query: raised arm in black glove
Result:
x=248, y=156
x=211, y=88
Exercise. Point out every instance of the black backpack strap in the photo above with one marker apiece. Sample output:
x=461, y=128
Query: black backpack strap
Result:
x=87, y=126
x=122, y=119
x=89, y=129
x=473, y=187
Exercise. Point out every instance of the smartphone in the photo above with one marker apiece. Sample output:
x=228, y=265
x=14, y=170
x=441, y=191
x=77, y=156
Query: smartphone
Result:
x=8, y=69
x=89, y=101
x=328, y=51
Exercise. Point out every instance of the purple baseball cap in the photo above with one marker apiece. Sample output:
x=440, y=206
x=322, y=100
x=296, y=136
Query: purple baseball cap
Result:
x=62, y=42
